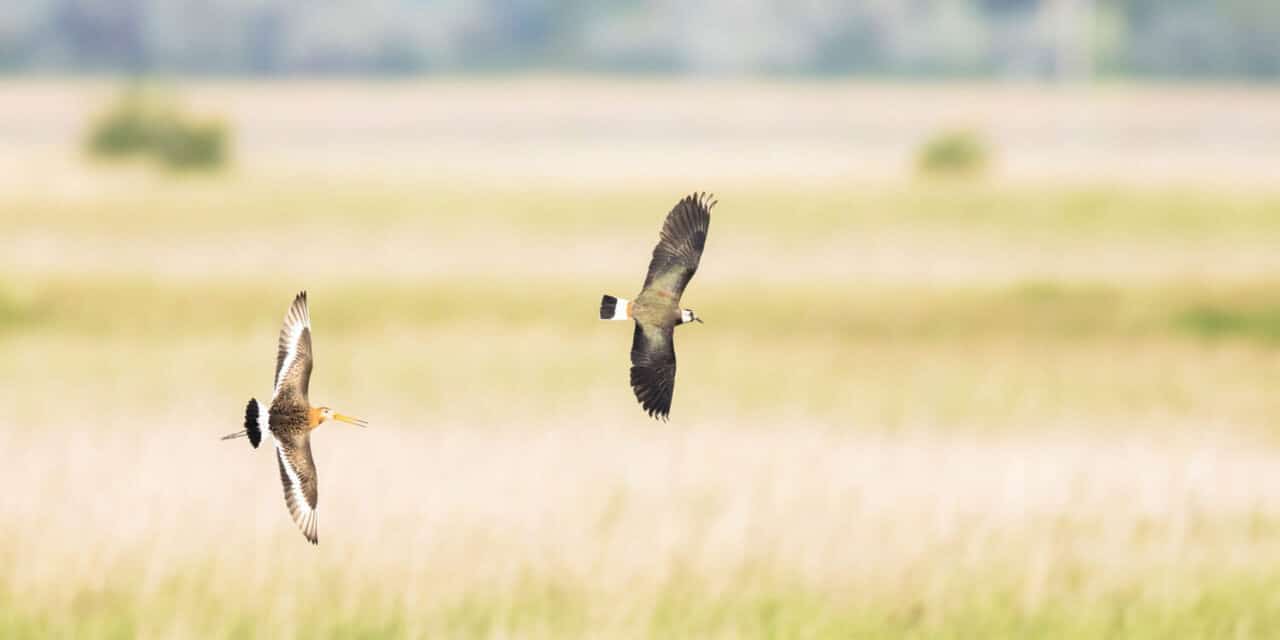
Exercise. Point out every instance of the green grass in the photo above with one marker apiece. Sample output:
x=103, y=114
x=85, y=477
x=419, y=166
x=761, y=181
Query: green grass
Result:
x=1025, y=358
x=120, y=307
x=1216, y=321
x=14, y=312
x=163, y=206
x=538, y=607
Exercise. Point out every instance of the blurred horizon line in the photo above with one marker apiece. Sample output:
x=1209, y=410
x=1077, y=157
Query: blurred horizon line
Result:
x=1052, y=40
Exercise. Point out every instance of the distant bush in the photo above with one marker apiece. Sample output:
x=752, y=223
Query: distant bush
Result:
x=139, y=124
x=1210, y=321
x=124, y=129
x=182, y=144
x=958, y=152
x=13, y=311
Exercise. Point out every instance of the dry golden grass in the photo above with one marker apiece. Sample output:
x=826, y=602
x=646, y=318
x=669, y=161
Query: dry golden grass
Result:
x=587, y=528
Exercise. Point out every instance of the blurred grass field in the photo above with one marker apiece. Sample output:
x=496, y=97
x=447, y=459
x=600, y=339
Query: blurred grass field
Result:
x=917, y=409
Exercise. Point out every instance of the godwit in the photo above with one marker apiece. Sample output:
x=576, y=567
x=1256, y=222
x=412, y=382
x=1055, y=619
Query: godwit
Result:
x=291, y=418
x=657, y=309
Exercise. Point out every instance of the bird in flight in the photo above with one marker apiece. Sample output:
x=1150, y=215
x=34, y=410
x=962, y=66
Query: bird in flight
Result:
x=291, y=418
x=657, y=309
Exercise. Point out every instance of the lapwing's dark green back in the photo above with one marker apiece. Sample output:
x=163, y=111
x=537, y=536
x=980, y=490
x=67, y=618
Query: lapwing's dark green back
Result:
x=679, y=249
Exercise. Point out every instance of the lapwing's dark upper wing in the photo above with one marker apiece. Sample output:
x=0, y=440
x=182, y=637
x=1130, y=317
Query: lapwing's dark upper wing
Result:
x=680, y=243
x=293, y=358
x=653, y=368
x=298, y=474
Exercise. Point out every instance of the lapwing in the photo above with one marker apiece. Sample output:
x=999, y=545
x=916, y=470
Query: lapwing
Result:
x=657, y=309
x=291, y=418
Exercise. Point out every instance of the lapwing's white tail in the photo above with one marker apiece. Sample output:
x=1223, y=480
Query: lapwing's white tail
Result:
x=253, y=421
x=612, y=308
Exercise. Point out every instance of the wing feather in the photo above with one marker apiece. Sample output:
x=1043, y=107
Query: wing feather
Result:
x=293, y=357
x=298, y=474
x=653, y=368
x=680, y=243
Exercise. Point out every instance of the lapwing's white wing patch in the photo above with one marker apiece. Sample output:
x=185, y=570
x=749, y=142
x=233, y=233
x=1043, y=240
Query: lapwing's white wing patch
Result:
x=293, y=358
x=299, y=488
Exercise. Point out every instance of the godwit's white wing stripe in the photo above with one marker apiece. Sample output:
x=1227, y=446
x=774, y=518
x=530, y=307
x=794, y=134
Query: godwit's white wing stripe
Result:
x=293, y=357
x=296, y=488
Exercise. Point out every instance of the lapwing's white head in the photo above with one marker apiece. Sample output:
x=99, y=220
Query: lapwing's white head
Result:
x=687, y=315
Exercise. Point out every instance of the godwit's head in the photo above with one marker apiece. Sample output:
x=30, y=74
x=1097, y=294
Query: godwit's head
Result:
x=321, y=415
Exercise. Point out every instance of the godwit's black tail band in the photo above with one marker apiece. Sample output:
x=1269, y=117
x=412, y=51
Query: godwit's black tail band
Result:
x=252, y=427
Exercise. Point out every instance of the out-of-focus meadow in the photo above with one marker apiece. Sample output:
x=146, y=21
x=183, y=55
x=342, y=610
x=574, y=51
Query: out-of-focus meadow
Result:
x=1035, y=403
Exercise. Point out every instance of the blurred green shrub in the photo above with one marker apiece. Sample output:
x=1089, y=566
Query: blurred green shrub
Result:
x=185, y=144
x=1216, y=321
x=142, y=124
x=123, y=129
x=953, y=153
x=13, y=311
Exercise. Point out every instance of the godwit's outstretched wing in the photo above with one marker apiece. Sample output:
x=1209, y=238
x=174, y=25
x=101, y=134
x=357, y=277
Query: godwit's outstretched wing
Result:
x=680, y=244
x=293, y=359
x=298, y=473
x=653, y=368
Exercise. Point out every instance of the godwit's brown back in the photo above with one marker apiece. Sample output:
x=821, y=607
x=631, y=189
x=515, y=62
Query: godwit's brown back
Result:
x=292, y=419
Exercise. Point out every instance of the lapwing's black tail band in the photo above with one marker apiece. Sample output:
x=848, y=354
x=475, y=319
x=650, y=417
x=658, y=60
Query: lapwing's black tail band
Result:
x=612, y=308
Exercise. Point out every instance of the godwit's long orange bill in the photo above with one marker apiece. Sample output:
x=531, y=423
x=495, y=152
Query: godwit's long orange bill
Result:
x=359, y=422
x=291, y=418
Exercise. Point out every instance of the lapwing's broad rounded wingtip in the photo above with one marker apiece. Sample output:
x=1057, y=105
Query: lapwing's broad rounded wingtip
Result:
x=704, y=199
x=680, y=243
x=652, y=410
x=652, y=392
x=655, y=409
x=653, y=369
